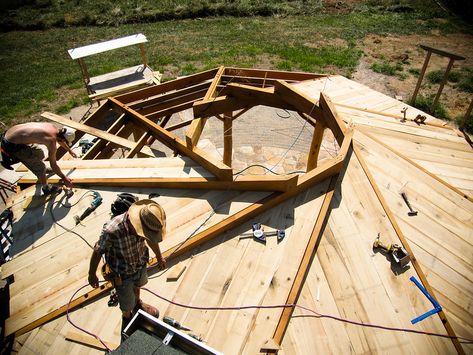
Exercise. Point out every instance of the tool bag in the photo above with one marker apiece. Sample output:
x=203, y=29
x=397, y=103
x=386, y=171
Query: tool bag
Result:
x=122, y=203
x=7, y=159
x=110, y=276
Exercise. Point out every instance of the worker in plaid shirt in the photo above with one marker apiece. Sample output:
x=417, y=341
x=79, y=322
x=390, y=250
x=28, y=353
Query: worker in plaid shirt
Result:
x=124, y=242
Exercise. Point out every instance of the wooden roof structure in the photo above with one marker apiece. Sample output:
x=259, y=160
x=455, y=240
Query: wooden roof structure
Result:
x=321, y=289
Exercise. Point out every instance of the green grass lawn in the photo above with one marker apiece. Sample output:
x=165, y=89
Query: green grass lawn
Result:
x=38, y=75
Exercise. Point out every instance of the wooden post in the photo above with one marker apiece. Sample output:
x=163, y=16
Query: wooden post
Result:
x=143, y=55
x=85, y=74
x=421, y=76
x=227, y=138
x=315, y=145
x=467, y=115
x=139, y=144
x=442, y=84
x=197, y=126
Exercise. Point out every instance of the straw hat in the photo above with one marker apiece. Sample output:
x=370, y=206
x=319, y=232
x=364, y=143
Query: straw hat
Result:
x=148, y=219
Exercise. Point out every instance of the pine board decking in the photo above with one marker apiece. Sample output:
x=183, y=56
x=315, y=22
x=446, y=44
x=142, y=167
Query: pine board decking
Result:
x=346, y=278
x=71, y=269
x=434, y=147
x=183, y=163
x=441, y=234
x=352, y=281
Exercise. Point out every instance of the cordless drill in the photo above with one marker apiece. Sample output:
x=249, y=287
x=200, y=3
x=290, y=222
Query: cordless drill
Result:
x=94, y=204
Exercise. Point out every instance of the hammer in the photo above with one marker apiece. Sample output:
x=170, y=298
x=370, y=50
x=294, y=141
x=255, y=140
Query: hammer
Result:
x=411, y=211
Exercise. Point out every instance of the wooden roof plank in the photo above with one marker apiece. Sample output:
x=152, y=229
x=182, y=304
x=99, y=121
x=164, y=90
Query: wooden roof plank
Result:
x=398, y=116
x=273, y=74
x=255, y=96
x=172, y=180
x=122, y=142
x=96, y=48
x=420, y=168
x=158, y=162
x=305, y=262
x=423, y=149
x=417, y=266
x=217, y=105
x=171, y=85
x=163, y=105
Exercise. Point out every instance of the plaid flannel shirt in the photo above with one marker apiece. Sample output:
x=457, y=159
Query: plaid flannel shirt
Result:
x=124, y=252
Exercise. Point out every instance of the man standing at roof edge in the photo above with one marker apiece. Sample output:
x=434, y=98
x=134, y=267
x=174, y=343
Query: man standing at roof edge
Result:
x=19, y=144
x=124, y=241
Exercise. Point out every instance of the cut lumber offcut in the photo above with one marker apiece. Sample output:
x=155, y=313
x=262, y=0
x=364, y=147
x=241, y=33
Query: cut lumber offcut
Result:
x=176, y=272
x=89, y=341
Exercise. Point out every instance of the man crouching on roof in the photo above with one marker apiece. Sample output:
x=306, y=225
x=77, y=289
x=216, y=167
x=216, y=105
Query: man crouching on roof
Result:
x=124, y=241
x=19, y=144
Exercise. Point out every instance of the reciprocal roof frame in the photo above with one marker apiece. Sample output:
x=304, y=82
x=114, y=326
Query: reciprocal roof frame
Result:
x=225, y=93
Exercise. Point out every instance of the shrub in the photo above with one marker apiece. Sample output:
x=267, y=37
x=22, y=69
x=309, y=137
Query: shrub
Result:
x=469, y=125
x=466, y=82
x=425, y=103
x=436, y=76
x=414, y=71
x=386, y=68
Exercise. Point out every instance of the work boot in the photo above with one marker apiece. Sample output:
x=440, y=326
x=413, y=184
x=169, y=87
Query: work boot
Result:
x=153, y=311
x=51, y=189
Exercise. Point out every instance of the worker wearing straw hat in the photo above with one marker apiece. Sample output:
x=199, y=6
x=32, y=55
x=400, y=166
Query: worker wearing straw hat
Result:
x=124, y=242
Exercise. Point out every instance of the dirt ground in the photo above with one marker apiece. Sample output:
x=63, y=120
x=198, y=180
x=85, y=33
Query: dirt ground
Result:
x=406, y=50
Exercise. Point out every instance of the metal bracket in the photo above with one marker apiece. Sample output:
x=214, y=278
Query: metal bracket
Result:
x=167, y=339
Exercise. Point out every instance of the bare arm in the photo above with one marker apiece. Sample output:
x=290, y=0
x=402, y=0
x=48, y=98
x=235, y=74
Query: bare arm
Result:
x=52, y=150
x=66, y=147
x=94, y=264
x=157, y=251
